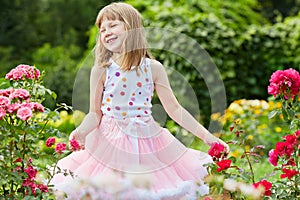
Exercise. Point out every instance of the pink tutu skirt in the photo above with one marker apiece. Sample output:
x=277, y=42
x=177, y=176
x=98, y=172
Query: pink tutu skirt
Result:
x=133, y=158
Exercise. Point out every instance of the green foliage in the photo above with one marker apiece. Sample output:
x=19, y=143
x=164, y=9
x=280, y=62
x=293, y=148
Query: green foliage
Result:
x=60, y=63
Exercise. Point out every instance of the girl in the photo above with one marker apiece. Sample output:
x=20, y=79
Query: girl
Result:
x=119, y=134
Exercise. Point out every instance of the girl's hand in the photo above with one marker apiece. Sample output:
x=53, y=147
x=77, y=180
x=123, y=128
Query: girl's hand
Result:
x=227, y=149
x=210, y=139
x=75, y=136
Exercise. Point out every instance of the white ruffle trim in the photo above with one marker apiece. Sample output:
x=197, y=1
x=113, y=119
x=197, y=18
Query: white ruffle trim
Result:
x=186, y=190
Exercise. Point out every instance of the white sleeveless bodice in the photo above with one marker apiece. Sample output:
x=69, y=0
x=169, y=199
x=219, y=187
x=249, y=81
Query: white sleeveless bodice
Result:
x=128, y=93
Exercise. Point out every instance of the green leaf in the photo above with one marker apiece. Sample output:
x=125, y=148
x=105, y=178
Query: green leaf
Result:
x=285, y=114
x=4, y=83
x=272, y=114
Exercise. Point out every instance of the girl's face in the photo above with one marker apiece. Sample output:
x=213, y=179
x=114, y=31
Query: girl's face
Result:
x=112, y=34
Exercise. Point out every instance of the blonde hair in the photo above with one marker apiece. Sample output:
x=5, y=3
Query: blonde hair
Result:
x=134, y=47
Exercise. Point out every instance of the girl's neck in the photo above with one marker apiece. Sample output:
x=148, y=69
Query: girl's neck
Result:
x=117, y=58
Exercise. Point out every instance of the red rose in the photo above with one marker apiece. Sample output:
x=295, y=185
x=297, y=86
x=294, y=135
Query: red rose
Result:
x=288, y=173
x=216, y=150
x=291, y=139
x=266, y=185
x=223, y=164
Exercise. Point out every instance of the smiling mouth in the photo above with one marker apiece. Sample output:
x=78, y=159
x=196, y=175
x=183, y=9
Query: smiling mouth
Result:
x=111, y=40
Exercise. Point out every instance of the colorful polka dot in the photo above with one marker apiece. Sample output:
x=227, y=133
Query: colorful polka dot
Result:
x=130, y=103
x=147, y=79
x=139, y=84
x=145, y=70
x=124, y=79
x=117, y=108
x=122, y=93
x=139, y=108
x=111, y=95
x=108, y=100
x=140, y=93
x=113, y=84
x=124, y=86
x=108, y=109
x=117, y=74
x=132, y=99
x=133, y=94
x=124, y=114
x=146, y=112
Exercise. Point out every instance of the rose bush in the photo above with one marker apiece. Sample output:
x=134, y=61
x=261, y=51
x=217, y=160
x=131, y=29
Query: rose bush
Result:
x=232, y=178
x=285, y=86
x=24, y=127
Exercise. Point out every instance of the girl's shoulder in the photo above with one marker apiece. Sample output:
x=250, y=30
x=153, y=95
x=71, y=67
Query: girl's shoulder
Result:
x=98, y=72
x=157, y=68
x=155, y=65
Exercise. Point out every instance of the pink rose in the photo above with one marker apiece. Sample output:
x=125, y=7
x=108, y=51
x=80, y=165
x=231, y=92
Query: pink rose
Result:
x=2, y=113
x=19, y=94
x=273, y=157
x=285, y=82
x=60, y=147
x=24, y=113
x=17, y=74
x=50, y=141
x=13, y=108
x=4, y=101
x=37, y=74
x=31, y=172
x=6, y=92
x=74, y=145
x=23, y=71
x=37, y=106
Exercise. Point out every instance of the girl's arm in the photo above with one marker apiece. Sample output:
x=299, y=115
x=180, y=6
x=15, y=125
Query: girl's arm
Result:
x=93, y=118
x=175, y=110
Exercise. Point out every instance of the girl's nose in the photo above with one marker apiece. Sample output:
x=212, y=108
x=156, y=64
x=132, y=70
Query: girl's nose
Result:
x=108, y=33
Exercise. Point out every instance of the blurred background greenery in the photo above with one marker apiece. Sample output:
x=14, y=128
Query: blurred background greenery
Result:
x=247, y=40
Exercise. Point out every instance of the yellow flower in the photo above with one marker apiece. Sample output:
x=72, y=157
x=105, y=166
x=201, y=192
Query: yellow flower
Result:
x=257, y=111
x=278, y=129
x=237, y=121
x=250, y=137
x=247, y=148
x=235, y=153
